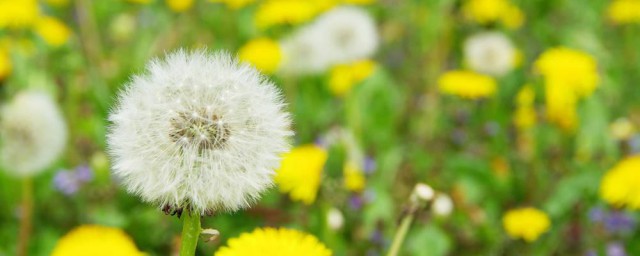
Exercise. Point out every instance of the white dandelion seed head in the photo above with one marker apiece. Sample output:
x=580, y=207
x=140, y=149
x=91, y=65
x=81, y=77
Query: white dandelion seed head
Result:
x=490, y=53
x=348, y=34
x=442, y=205
x=303, y=53
x=335, y=219
x=33, y=133
x=198, y=130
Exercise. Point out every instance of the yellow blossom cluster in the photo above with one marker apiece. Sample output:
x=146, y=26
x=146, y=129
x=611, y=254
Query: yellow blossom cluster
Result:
x=274, y=242
x=624, y=11
x=491, y=11
x=526, y=223
x=97, y=241
x=569, y=75
x=300, y=172
x=467, y=84
x=620, y=186
x=344, y=77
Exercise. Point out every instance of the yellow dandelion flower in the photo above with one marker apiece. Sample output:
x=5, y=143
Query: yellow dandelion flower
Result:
x=485, y=11
x=624, y=11
x=467, y=84
x=561, y=104
x=179, y=5
x=620, y=186
x=354, y=179
x=574, y=69
x=53, y=31
x=274, y=242
x=526, y=223
x=525, y=115
x=18, y=13
x=234, y=4
x=96, y=241
x=263, y=53
x=512, y=17
x=300, y=172
x=343, y=77
x=5, y=63
x=279, y=12
x=489, y=11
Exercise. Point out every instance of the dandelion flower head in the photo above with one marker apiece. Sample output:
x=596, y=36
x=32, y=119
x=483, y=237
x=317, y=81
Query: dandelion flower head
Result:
x=467, y=84
x=263, y=53
x=569, y=68
x=349, y=34
x=96, y=241
x=198, y=130
x=490, y=11
x=301, y=172
x=179, y=5
x=354, y=178
x=279, y=12
x=18, y=13
x=5, y=63
x=620, y=186
x=526, y=223
x=53, y=31
x=274, y=242
x=624, y=11
x=490, y=53
x=344, y=77
x=33, y=133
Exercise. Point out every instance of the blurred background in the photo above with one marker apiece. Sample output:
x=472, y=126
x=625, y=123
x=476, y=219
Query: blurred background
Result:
x=521, y=115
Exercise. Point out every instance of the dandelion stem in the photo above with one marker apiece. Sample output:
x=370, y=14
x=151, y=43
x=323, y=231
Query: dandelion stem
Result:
x=400, y=235
x=190, y=232
x=25, y=217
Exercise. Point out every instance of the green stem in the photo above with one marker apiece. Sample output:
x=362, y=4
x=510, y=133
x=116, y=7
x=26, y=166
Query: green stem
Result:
x=190, y=232
x=25, y=220
x=400, y=235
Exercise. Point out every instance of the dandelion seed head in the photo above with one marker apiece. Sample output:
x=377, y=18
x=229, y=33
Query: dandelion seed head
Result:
x=491, y=53
x=198, y=130
x=33, y=133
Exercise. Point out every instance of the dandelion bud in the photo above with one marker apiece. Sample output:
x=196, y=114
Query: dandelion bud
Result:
x=423, y=192
x=198, y=130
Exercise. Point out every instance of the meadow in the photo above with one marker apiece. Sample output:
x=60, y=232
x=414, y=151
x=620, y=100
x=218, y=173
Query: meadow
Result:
x=374, y=127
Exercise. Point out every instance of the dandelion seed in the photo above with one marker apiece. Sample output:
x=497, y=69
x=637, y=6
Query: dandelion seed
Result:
x=207, y=155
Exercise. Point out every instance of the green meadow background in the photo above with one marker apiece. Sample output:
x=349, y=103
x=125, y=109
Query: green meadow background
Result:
x=465, y=148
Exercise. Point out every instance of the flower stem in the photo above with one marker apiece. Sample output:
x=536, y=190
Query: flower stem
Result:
x=190, y=232
x=400, y=235
x=25, y=217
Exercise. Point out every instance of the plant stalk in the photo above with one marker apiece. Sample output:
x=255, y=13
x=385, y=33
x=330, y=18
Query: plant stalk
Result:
x=398, y=239
x=190, y=233
x=25, y=217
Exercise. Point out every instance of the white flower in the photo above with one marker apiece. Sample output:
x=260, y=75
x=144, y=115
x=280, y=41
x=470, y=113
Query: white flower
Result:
x=342, y=35
x=442, y=205
x=198, y=130
x=349, y=34
x=303, y=53
x=490, y=53
x=33, y=133
x=423, y=192
x=335, y=219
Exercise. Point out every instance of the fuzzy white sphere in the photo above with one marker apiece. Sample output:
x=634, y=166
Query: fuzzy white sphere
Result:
x=442, y=205
x=349, y=34
x=198, y=131
x=490, y=53
x=33, y=133
x=342, y=35
x=303, y=53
